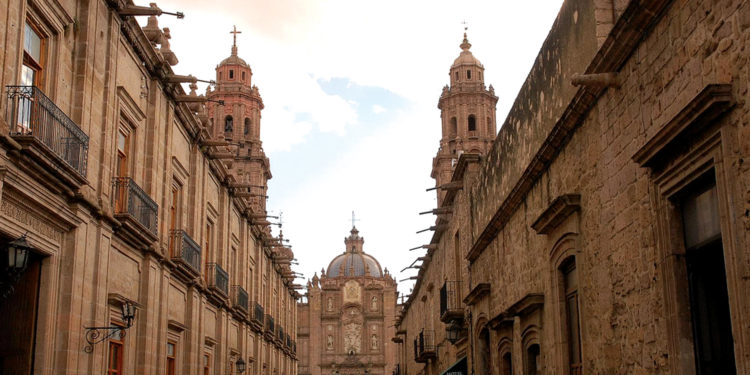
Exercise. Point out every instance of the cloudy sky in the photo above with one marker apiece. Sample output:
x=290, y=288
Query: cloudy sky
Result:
x=350, y=90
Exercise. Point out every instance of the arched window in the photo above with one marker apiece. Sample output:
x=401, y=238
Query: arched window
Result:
x=506, y=364
x=243, y=76
x=231, y=74
x=533, y=364
x=456, y=76
x=219, y=76
x=247, y=126
x=228, y=127
x=472, y=123
x=485, y=360
x=489, y=126
x=454, y=126
x=468, y=74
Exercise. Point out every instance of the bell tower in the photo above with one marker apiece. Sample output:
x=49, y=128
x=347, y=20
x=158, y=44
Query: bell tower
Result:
x=238, y=123
x=467, y=111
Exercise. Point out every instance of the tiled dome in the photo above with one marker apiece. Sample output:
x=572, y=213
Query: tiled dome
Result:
x=354, y=261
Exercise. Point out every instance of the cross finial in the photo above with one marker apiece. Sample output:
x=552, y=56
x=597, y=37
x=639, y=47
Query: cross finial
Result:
x=465, y=45
x=281, y=218
x=466, y=25
x=234, y=36
x=353, y=219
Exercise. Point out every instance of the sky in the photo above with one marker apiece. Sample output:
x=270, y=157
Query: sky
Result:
x=350, y=89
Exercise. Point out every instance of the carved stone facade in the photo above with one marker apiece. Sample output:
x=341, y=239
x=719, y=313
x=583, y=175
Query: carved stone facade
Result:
x=130, y=190
x=606, y=228
x=346, y=317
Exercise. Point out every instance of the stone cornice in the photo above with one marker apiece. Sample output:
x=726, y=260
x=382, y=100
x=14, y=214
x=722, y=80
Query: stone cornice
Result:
x=477, y=293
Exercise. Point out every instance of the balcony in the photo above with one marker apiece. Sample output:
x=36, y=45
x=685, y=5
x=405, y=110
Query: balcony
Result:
x=288, y=342
x=47, y=135
x=217, y=279
x=270, y=328
x=239, y=299
x=279, y=339
x=424, y=346
x=185, y=252
x=451, y=305
x=137, y=212
x=256, y=319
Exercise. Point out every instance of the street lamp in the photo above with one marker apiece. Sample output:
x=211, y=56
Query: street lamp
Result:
x=95, y=335
x=454, y=332
x=241, y=365
x=18, y=254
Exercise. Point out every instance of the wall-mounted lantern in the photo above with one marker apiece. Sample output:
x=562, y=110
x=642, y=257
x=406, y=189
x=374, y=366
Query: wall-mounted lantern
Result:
x=95, y=335
x=18, y=254
x=240, y=365
x=453, y=332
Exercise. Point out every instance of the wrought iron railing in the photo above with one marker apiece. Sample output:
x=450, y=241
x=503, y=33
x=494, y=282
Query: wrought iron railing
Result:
x=239, y=297
x=426, y=344
x=185, y=250
x=450, y=301
x=218, y=278
x=288, y=341
x=130, y=199
x=30, y=113
x=280, y=333
x=270, y=327
x=258, y=313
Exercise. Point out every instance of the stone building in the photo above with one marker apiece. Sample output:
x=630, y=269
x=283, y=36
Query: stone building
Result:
x=347, y=318
x=142, y=208
x=606, y=229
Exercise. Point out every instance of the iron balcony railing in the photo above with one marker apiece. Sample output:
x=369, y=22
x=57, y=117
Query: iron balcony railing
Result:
x=294, y=346
x=451, y=307
x=185, y=251
x=426, y=345
x=280, y=334
x=258, y=313
x=288, y=341
x=30, y=113
x=239, y=298
x=218, y=279
x=270, y=327
x=130, y=199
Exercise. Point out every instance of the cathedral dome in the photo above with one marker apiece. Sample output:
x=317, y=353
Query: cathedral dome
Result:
x=354, y=261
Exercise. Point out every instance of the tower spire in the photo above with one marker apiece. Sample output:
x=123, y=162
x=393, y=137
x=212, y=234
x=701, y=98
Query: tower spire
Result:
x=465, y=45
x=234, y=42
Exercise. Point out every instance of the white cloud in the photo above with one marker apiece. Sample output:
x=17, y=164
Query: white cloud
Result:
x=378, y=109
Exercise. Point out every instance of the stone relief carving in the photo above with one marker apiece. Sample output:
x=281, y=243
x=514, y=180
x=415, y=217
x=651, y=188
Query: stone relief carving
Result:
x=353, y=337
x=374, y=342
x=351, y=291
x=329, y=342
x=329, y=304
x=374, y=303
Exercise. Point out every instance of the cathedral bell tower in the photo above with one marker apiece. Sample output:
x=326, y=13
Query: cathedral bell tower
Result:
x=467, y=111
x=238, y=123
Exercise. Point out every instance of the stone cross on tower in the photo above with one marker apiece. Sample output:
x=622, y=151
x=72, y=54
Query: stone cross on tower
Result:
x=234, y=42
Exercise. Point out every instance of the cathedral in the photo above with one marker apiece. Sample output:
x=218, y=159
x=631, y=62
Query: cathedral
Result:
x=345, y=324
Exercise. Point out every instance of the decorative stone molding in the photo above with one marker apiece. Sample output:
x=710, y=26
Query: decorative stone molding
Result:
x=525, y=306
x=560, y=208
x=477, y=293
x=707, y=105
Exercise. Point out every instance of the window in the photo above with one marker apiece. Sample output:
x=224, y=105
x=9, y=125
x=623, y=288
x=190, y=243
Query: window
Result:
x=454, y=126
x=247, y=126
x=174, y=213
x=468, y=74
x=533, y=365
x=485, y=360
x=572, y=316
x=243, y=76
x=231, y=74
x=707, y=281
x=228, y=124
x=114, y=362
x=123, y=141
x=171, y=358
x=233, y=267
x=506, y=366
x=208, y=248
x=472, y=123
x=489, y=126
x=206, y=364
x=33, y=47
x=219, y=77
x=456, y=76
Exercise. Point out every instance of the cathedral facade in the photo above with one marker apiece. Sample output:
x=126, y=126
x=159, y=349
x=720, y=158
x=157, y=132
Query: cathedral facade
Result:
x=347, y=319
